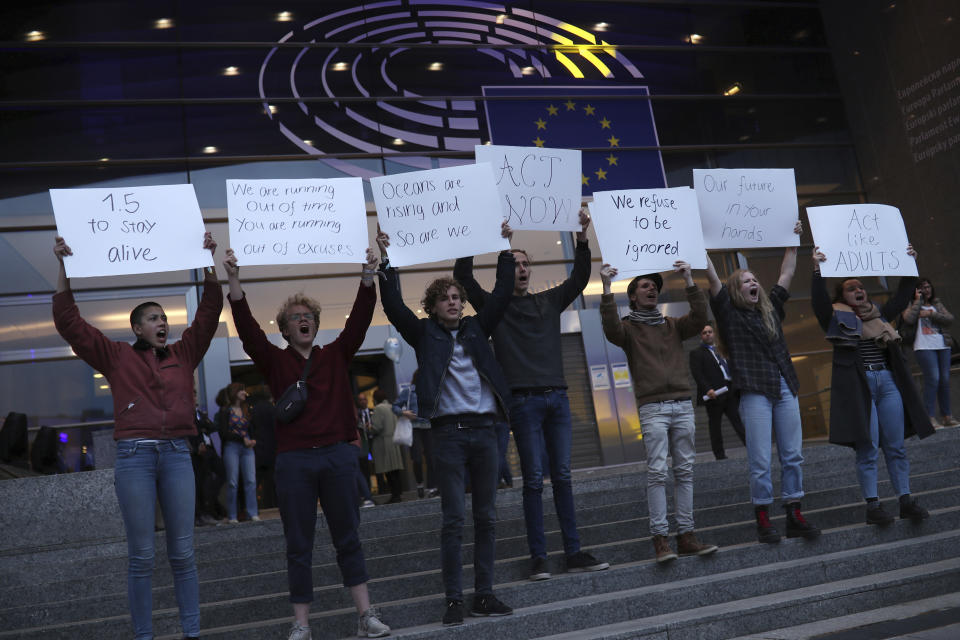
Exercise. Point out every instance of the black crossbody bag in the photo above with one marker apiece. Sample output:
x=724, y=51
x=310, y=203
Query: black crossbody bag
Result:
x=294, y=399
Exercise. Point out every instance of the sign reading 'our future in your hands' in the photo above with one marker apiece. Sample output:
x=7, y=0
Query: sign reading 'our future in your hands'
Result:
x=439, y=214
x=297, y=221
x=647, y=230
x=861, y=240
x=130, y=230
x=747, y=208
x=539, y=188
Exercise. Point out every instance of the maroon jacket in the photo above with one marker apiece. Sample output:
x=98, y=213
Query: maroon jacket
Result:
x=328, y=416
x=152, y=397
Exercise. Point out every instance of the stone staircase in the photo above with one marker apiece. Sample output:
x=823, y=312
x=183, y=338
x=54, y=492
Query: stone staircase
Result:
x=78, y=592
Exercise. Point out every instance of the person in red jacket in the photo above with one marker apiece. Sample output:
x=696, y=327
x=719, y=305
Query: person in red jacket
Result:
x=153, y=414
x=315, y=459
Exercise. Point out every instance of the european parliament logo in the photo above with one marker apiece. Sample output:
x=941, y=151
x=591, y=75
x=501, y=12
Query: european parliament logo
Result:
x=573, y=117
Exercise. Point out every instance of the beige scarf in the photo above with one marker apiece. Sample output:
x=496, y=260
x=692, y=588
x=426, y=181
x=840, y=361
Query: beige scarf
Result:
x=874, y=327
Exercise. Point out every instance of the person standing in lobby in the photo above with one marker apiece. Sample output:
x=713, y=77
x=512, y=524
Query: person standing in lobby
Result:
x=715, y=390
x=527, y=346
x=151, y=382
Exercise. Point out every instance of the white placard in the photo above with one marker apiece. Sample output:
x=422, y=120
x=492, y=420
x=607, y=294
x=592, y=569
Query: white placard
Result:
x=439, y=214
x=647, y=230
x=747, y=208
x=297, y=221
x=539, y=188
x=861, y=240
x=130, y=230
x=599, y=378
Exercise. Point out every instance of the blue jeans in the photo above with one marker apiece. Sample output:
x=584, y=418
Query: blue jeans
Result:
x=144, y=473
x=538, y=418
x=935, y=365
x=236, y=459
x=886, y=432
x=327, y=474
x=761, y=415
x=457, y=452
x=669, y=427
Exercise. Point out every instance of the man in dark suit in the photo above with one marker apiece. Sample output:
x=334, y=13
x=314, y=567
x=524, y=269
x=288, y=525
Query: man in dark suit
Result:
x=715, y=389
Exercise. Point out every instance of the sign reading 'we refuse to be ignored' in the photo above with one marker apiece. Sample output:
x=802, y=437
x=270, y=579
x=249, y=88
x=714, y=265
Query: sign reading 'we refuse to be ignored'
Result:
x=130, y=230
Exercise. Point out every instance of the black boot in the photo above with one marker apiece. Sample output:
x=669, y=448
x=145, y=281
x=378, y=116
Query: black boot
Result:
x=797, y=525
x=766, y=532
x=910, y=508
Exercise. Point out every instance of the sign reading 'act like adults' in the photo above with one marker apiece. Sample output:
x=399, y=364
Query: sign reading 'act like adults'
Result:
x=297, y=221
x=439, y=214
x=647, y=230
x=861, y=240
x=539, y=188
x=130, y=230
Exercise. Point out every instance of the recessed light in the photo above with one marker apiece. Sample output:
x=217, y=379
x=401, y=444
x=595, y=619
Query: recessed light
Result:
x=284, y=16
x=600, y=26
x=695, y=38
x=528, y=71
x=163, y=23
x=231, y=71
x=35, y=36
x=272, y=108
x=340, y=66
x=501, y=18
x=397, y=141
x=733, y=89
x=210, y=149
x=309, y=142
x=436, y=66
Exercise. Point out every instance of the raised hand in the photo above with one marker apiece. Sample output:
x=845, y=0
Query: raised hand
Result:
x=230, y=264
x=209, y=242
x=61, y=249
x=818, y=257
x=506, y=231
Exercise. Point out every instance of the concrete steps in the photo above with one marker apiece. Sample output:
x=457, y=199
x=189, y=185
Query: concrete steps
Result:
x=80, y=592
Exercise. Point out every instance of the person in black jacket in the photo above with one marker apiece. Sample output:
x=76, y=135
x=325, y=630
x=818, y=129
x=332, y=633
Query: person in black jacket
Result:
x=873, y=402
x=716, y=390
x=463, y=392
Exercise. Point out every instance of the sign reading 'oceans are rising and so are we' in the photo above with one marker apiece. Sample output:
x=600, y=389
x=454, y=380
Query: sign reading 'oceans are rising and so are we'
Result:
x=861, y=240
x=647, y=230
x=130, y=230
x=297, y=221
x=539, y=188
x=439, y=214
x=747, y=208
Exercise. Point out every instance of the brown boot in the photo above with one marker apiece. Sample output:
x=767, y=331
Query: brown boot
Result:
x=661, y=546
x=688, y=545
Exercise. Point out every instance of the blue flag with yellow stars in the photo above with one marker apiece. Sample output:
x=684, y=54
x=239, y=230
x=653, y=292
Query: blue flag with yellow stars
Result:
x=569, y=118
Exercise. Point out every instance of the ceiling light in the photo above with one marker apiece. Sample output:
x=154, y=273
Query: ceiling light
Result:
x=104, y=386
x=272, y=108
x=210, y=149
x=163, y=23
x=284, y=16
x=231, y=71
x=528, y=71
x=34, y=36
x=340, y=66
x=732, y=90
x=559, y=241
x=436, y=66
x=695, y=38
x=98, y=375
x=600, y=26
x=744, y=138
x=104, y=159
x=397, y=141
x=309, y=142
x=501, y=18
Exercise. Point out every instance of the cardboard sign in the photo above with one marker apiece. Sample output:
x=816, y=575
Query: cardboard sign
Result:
x=130, y=230
x=539, y=188
x=861, y=240
x=747, y=208
x=299, y=221
x=647, y=230
x=439, y=214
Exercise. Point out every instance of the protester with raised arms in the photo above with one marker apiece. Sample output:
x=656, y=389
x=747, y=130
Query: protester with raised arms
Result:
x=654, y=347
x=315, y=459
x=873, y=402
x=152, y=386
x=463, y=393
x=750, y=325
x=527, y=344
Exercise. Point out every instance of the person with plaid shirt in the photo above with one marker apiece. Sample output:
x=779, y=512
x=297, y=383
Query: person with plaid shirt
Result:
x=750, y=326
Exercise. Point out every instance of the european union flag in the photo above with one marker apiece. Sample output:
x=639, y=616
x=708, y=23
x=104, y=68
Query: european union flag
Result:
x=567, y=118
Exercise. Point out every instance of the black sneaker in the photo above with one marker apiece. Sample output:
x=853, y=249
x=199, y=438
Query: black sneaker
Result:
x=539, y=570
x=876, y=515
x=453, y=615
x=583, y=561
x=484, y=606
x=911, y=509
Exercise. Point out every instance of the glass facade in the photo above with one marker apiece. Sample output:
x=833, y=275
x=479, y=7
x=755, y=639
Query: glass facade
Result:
x=100, y=93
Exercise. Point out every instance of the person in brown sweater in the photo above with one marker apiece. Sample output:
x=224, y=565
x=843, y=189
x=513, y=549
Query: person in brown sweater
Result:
x=654, y=347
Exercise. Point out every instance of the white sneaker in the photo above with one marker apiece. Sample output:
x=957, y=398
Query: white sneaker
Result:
x=255, y=519
x=366, y=504
x=233, y=521
x=369, y=625
x=299, y=632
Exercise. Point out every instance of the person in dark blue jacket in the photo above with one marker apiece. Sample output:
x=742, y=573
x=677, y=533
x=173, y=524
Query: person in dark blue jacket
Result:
x=463, y=392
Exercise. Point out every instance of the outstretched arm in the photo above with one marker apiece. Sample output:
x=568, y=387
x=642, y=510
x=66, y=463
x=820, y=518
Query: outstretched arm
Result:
x=61, y=249
x=612, y=328
x=712, y=278
x=789, y=265
x=233, y=276
x=489, y=317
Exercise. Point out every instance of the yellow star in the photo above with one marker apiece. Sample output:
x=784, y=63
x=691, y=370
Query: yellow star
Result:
x=584, y=180
x=601, y=174
x=614, y=141
x=604, y=124
x=612, y=159
x=539, y=142
x=571, y=105
x=541, y=123
x=589, y=109
x=552, y=110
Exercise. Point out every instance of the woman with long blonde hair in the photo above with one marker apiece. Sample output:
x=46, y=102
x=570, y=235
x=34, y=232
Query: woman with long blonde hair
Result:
x=750, y=320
